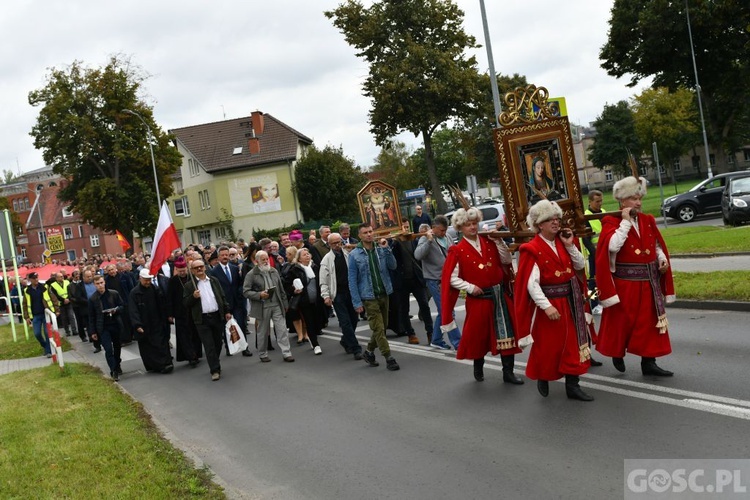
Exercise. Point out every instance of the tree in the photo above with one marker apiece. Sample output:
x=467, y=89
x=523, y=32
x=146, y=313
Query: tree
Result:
x=649, y=38
x=667, y=118
x=101, y=151
x=15, y=221
x=448, y=151
x=396, y=165
x=615, y=135
x=8, y=176
x=419, y=75
x=326, y=183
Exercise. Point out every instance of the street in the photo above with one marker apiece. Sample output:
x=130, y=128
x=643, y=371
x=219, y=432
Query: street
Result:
x=330, y=427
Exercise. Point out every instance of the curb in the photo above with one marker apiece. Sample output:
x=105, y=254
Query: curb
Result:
x=713, y=305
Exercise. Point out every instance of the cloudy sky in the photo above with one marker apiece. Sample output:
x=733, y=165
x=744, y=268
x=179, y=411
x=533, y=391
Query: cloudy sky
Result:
x=211, y=60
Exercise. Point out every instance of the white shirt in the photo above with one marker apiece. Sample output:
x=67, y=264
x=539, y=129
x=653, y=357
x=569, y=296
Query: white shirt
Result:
x=505, y=258
x=533, y=286
x=618, y=240
x=208, y=300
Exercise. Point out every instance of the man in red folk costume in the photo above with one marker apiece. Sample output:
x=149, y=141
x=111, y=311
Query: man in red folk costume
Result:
x=479, y=266
x=550, y=304
x=635, y=283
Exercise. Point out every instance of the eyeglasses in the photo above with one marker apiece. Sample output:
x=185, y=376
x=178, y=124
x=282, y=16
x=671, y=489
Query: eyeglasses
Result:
x=338, y=242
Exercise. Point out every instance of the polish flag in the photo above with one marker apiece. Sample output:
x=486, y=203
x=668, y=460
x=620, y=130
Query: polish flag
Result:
x=165, y=242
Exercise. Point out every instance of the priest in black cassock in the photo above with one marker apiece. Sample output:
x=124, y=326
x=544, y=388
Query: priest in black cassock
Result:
x=189, y=347
x=148, y=317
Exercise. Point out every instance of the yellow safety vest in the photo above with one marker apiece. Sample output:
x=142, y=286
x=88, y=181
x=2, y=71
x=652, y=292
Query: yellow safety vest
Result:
x=62, y=290
x=596, y=226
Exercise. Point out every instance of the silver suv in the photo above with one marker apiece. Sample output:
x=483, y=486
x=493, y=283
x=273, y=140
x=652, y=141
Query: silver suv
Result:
x=491, y=213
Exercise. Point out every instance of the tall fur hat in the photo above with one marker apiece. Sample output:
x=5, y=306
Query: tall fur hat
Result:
x=462, y=216
x=627, y=187
x=541, y=211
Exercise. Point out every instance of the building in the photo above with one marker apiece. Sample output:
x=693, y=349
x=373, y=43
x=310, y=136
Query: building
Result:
x=48, y=225
x=236, y=176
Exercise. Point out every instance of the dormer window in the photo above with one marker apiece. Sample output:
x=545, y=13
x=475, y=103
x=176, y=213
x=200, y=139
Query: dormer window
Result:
x=66, y=212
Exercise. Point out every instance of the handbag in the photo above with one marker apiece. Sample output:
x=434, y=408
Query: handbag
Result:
x=294, y=301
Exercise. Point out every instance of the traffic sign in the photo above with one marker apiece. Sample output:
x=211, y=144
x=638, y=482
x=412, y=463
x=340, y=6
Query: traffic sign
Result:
x=415, y=193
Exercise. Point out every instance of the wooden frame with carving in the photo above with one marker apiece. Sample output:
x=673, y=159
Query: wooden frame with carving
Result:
x=378, y=206
x=544, y=145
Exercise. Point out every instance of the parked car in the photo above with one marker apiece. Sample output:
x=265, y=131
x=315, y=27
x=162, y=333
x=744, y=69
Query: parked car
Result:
x=491, y=213
x=735, y=201
x=703, y=198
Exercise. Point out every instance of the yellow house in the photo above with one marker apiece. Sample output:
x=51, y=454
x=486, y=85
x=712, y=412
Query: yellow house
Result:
x=240, y=169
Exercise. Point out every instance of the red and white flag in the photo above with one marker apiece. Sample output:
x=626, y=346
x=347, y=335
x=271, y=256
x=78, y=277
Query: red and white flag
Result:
x=165, y=242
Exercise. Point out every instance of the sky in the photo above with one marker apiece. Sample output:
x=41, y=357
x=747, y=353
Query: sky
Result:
x=210, y=61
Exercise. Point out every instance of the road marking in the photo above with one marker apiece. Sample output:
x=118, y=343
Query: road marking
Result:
x=709, y=403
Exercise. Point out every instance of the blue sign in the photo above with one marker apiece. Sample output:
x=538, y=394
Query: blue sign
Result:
x=415, y=193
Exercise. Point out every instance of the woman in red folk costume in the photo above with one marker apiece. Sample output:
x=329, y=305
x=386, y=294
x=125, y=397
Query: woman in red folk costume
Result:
x=634, y=281
x=549, y=303
x=481, y=267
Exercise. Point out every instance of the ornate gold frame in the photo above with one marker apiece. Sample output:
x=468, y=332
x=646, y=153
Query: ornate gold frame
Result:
x=385, y=218
x=528, y=129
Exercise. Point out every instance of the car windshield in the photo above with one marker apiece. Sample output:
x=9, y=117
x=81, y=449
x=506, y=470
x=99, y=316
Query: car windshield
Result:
x=740, y=186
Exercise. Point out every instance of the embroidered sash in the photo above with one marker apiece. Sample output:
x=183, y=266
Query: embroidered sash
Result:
x=647, y=272
x=573, y=292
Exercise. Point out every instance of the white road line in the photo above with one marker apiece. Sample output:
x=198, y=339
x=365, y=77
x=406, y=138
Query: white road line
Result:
x=710, y=403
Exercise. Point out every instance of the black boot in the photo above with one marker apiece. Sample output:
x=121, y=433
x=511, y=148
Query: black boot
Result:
x=543, y=387
x=574, y=391
x=649, y=367
x=508, y=376
x=595, y=362
x=619, y=364
x=479, y=369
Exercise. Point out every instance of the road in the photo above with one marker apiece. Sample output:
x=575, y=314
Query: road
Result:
x=329, y=427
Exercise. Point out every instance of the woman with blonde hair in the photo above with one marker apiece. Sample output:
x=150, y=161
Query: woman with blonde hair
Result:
x=293, y=315
x=301, y=284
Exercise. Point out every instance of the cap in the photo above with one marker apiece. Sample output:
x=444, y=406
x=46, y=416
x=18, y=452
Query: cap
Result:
x=145, y=274
x=180, y=262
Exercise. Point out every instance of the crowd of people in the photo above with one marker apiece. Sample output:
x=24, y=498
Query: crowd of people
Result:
x=279, y=289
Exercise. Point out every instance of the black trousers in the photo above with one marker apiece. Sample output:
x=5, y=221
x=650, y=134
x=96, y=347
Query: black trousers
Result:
x=211, y=332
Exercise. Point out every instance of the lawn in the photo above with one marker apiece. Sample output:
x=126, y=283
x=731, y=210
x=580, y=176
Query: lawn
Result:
x=22, y=348
x=76, y=435
x=652, y=200
x=706, y=239
x=719, y=285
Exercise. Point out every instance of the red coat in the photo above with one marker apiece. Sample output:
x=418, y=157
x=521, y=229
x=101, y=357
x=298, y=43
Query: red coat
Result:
x=485, y=270
x=630, y=325
x=555, y=351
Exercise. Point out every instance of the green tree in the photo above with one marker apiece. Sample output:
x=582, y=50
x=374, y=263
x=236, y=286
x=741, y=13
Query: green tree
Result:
x=649, y=38
x=8, y=176
x=667, y=118
x=397, y=166
x=103, y=152
x=326, y=183
x=451, y=160
x=615, y=134
x=419, y=75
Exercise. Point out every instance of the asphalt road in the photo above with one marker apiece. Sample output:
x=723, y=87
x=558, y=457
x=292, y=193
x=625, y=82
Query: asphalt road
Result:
x=329, y=427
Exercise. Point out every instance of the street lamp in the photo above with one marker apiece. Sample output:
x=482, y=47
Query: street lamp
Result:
x=153, y=161
x=698, y=90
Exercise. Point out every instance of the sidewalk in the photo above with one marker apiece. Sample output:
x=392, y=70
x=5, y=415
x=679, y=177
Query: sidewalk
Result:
x=14, y=365
x=706, y=263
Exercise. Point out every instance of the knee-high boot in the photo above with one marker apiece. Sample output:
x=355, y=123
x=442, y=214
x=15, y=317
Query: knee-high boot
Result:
x=574, y=391
x=508, y=376
x=479, y=369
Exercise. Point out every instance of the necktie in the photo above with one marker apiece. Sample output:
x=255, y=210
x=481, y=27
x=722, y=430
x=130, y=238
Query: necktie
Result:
x=229, y=275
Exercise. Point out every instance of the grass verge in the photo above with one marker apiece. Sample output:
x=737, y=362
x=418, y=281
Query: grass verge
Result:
x=718, y=285
x=76, y=435
x=22, y=348
x=706, y=239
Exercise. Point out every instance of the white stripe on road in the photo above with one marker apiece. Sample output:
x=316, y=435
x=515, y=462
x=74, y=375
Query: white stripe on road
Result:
x=710, y=403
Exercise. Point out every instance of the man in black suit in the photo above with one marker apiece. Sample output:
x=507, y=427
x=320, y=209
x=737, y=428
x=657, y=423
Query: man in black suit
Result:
x=228, y=276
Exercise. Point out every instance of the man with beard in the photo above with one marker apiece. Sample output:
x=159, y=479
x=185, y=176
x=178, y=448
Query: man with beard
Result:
x=480, y=267
x=188, y=342
x=268, y=303
x=148, y=316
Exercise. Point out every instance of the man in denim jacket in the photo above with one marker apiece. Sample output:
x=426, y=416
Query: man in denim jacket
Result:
x=370, y=285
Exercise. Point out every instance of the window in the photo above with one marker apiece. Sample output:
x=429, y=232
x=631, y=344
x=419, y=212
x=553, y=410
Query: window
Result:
x=80, y=231
x=608, y=175
x=662, y=169
x=203, y=199
x=42, y=237
x=193, y=167
x=221, y=233
x=237, y=151
x=712, y=159
x=731, y=159
x=71, y=254
x=67, y=212
x=15, y=205
x=68, y=233
x=204, y=237
x=26, y=205
x=746, y=154
x=182, y=207
x=696, y=162
x=677, y=166
x=94, y=239
x=23, y=252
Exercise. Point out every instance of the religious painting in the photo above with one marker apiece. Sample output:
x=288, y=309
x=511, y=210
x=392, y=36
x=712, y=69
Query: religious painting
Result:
x=378, y=205
x=536, y=161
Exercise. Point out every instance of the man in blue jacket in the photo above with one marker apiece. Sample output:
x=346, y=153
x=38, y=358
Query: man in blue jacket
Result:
x=370, y=285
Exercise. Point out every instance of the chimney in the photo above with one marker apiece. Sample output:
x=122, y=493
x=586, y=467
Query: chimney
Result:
x=257, y=122
x=253, y=145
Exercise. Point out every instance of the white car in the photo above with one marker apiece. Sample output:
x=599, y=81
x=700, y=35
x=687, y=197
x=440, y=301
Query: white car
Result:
x=491, y=213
